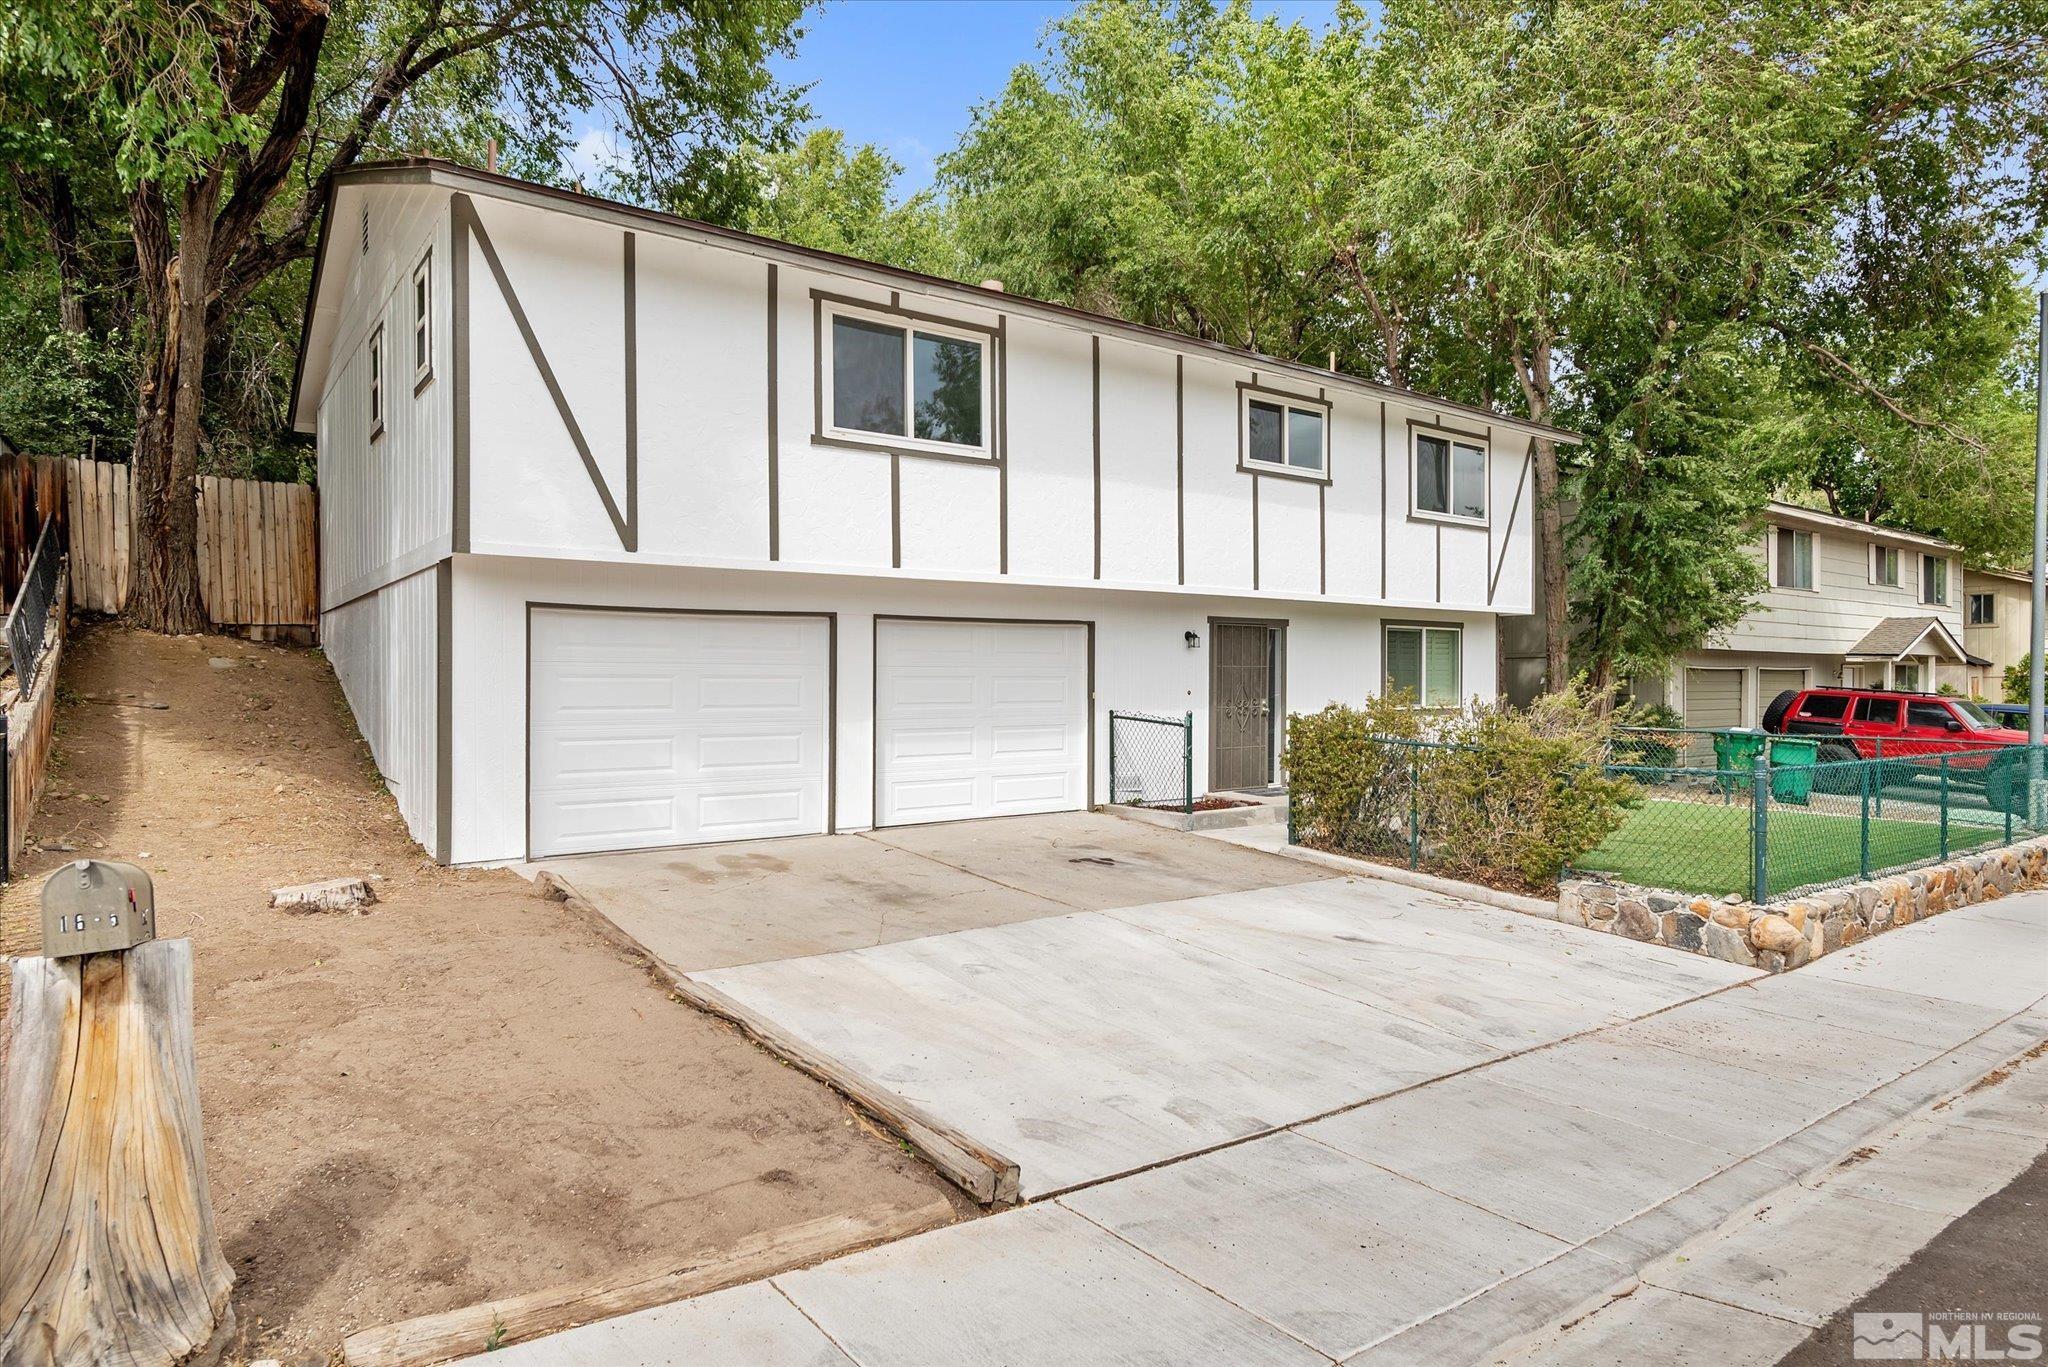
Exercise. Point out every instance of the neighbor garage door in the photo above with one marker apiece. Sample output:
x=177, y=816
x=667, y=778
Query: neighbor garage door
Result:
x=656, y=728
x=979, y=719
x=1713, y=697
x=1771, y=682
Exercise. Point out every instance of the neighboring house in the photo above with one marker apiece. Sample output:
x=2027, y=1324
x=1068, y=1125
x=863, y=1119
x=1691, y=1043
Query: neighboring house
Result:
x=1998, y=614
x=639, y=532
x=1848, y=603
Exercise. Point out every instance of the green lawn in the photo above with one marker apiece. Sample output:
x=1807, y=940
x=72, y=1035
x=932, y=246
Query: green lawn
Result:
x=1705, y=846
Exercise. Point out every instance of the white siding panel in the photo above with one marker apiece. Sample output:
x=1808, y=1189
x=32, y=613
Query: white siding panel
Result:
x=385, y=505
x=1139, y=543
x=1219, y=496
x=1465, y=551
x=382, y=646
x=1052, y=456
x=1411, y=543
x=1353, y=525
x=703, y=332
x=1290, y=536
x=950, y=517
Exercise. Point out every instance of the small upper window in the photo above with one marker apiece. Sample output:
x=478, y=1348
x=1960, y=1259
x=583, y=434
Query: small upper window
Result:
x=1795, y=559
x=1983, y=610
x=377, y=382
x=1884, y=566
x=915, y=384
x=1450, y=477
x=1285, y=435
x=423, y=318
x=1933, y=579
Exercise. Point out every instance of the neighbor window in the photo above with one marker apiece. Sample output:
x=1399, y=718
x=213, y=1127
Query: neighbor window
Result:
x=376, y=382
x=1884, y=566
x=422, y=318
x=1450, y=477
x=915, y=384
x=1906, y=678
x=1795, y=559
x=1284, y=435
x=1933, y=579
x=1983, y=611
x=1425, y=662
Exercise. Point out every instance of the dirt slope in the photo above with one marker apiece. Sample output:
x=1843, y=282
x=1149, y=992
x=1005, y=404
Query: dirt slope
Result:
x=464, y=1093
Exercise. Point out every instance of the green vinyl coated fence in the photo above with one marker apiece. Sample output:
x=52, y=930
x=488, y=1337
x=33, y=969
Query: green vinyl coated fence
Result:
x=1152, y=760
x=1762, y=819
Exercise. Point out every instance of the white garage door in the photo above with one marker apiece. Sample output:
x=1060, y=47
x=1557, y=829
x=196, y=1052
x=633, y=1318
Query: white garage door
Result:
x=1713, y=697
x=979, y=719
x=656, y=728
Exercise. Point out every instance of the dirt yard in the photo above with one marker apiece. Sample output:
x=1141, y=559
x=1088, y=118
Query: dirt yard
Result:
x=464, y=1093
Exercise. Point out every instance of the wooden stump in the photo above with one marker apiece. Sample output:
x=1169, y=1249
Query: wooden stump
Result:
x=108, y=1252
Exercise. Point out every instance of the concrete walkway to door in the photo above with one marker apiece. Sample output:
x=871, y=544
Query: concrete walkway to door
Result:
x=720, y=906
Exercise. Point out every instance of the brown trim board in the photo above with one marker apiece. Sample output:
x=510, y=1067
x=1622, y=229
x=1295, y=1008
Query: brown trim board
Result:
x=1508, y=536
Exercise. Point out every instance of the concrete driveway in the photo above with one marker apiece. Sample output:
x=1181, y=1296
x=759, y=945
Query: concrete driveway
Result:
x=717, y=906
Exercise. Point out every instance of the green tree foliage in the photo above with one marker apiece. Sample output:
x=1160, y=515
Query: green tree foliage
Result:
x=817, y=194
x=192, y=145
x=1740, y=248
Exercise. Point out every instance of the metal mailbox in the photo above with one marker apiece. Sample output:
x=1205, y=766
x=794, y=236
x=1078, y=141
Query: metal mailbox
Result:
x=91, y=906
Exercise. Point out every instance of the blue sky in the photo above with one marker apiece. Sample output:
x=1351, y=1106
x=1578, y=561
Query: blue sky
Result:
x=904, y=74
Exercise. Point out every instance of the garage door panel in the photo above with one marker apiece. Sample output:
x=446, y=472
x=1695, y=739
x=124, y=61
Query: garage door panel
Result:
x=980, y=719
x=697, y=728
x=1713, y=697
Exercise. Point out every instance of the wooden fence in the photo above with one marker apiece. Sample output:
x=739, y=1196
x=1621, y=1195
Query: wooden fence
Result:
x=259, y=554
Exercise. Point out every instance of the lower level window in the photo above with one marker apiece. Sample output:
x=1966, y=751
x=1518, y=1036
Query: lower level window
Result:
x=1425, y=662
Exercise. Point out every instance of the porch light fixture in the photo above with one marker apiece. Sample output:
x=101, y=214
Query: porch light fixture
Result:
x=1194, y=641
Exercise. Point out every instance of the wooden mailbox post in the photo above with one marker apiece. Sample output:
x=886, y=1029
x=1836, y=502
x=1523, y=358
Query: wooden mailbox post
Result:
x=108, y=1252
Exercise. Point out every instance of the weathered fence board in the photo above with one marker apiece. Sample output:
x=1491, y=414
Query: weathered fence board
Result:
x=258, y=540
x=31, y=732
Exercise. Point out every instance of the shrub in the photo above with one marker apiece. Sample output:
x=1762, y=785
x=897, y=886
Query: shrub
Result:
x=1521, y=793
x=1347, y=784
x=1504, y=795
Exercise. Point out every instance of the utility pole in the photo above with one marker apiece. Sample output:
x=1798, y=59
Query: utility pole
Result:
x=2037, y=787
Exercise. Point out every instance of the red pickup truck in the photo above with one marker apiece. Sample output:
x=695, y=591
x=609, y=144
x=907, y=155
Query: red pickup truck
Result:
x=1866, y=723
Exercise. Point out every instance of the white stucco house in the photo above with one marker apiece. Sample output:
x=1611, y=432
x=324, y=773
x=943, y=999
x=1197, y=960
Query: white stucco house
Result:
x=640, y=532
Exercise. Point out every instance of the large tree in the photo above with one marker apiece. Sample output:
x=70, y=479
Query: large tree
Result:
x=224, y=121
x=1688, y=229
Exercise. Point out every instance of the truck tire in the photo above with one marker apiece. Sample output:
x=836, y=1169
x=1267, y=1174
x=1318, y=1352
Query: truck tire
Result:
x=1774, y=715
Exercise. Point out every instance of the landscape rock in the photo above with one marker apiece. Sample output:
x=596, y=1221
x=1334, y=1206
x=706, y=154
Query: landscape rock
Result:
x=1724, y=943
x=1775, y=934
x=351, y=895
x=1632, y=919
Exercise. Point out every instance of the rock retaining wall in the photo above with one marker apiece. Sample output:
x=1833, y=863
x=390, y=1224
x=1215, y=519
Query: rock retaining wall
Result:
x=1788, y=934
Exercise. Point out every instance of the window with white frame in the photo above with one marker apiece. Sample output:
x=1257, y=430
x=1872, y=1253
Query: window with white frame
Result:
x=1933, y=579
x=1794, y=569
x=1450, y=477
x=423, y=318
x=898, y=382
x=1884, y=566
x=376, y=362
x=1983, y=610
x=1285, y=434
x=1426, y=663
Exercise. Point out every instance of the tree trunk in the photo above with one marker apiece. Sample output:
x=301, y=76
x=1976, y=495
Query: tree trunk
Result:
x=164, y=584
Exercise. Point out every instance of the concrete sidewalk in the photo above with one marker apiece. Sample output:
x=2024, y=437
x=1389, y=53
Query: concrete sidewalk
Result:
x=1447, y=1223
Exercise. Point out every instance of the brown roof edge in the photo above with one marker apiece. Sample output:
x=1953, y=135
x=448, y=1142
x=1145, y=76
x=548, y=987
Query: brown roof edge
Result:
x=429, y=170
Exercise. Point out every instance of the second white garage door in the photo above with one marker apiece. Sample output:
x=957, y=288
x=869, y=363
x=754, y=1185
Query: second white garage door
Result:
x=979, y=719
x=659, y=728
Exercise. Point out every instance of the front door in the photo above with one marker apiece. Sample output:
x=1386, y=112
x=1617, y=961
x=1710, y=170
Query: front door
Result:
x=1241, y=704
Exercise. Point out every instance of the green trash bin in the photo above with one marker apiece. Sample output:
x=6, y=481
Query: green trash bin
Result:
x=1792, y=761
x=1735, y=753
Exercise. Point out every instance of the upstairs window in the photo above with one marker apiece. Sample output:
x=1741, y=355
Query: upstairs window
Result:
x=1283, y=434
x=422, y=319
x=1426, y=663
x=1933, y=579
x=377, y=382
x=1884, y=566
x=1450, y=477
x=912, y=385
x=1795, y=559
x=1983, y=610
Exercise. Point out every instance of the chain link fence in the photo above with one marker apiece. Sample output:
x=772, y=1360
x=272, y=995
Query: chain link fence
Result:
x=1758, y=817
x=1152, y=761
